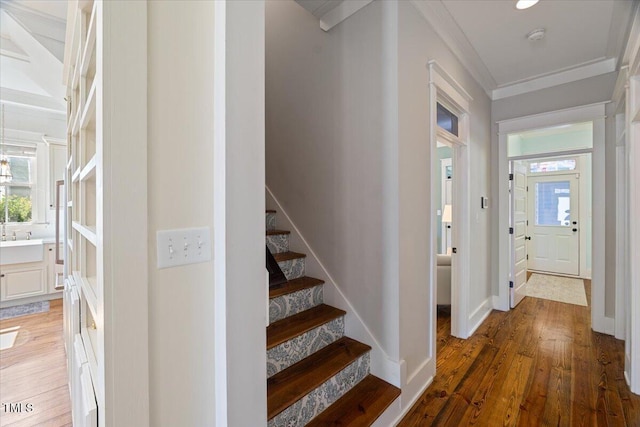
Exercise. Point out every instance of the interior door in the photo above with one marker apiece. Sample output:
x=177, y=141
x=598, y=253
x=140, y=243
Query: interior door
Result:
x=554, y=244
x=519, y=226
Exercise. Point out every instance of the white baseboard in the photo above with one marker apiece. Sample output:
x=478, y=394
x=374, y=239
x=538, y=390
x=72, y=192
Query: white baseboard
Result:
x=382, y=365
x=415, y=386
x=479, y=315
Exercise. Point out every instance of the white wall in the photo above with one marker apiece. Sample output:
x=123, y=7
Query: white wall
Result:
x=180, y=194
x=245, y=269
x=418, y=44
x=578, y=93
x=328, y=136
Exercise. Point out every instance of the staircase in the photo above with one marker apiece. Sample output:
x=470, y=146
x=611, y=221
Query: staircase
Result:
x=316, y=375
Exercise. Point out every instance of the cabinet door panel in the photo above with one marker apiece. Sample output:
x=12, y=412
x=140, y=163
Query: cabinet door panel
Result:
x=25, y=283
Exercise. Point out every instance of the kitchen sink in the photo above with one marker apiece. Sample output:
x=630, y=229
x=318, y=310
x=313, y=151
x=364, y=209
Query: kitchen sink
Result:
x=21, y=251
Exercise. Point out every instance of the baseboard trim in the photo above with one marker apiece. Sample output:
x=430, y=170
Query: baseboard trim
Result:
x=479, y=315
x=411, y=392
x=382, y=365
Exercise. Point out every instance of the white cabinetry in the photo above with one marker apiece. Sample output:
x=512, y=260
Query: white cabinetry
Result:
x=22, y=281
x=30, y=281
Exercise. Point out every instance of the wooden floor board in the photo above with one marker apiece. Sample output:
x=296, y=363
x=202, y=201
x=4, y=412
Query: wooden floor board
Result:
x=539, y=364
x=34, y=371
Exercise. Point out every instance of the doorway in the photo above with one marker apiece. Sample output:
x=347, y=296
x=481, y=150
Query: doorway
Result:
x=549, y=200
x=547, y=235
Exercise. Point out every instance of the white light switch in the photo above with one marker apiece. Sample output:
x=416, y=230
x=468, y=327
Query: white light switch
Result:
x=184, y=246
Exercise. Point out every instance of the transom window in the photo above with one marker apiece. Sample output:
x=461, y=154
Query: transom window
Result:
x=552, y=166
x=447, y=120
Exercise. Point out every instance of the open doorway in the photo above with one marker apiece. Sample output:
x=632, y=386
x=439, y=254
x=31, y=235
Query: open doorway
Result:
x=550, y=206
x=449, y=133
x=444, y=243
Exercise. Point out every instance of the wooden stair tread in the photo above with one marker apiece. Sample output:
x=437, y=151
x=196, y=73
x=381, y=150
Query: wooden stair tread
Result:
x=287, y=387
x=286, y=256
x=292, y=326
x=360, y=407
x=294, y=285
x=275, y=232
x=270, y=211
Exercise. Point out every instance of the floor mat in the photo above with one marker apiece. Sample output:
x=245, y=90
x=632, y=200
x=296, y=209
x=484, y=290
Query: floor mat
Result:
x=557, y=288
x=24, y=309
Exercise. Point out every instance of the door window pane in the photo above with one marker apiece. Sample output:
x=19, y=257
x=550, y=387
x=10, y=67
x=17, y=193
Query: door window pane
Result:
x=553, y=203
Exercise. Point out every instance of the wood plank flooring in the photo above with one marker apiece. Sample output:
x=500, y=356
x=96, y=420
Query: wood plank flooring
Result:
x=539, y=364
x=34, y=371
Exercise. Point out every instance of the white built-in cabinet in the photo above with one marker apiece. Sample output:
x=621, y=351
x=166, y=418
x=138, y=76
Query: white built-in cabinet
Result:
x=83, y=167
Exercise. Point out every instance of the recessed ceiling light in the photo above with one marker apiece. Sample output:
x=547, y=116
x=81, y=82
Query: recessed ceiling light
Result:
x=535, y=35
x=525, y=4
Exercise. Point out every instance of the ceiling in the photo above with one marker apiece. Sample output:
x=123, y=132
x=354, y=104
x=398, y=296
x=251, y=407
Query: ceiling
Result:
x=578, y=34
x=582, y=38
x=31, y=55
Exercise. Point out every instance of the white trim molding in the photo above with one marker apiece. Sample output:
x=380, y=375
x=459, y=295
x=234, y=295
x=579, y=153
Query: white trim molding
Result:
x=341, y=12
x=444, y=87
x=579, y=72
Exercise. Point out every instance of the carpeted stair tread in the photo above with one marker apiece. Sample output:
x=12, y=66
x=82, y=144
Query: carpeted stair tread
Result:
x=292, y=326
x=360, y=406
x=276, y=232
x=286, y=256
x=287, y=387
x=294, y=285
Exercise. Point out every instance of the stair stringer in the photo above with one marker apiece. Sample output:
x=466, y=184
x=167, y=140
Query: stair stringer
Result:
x=382, y=365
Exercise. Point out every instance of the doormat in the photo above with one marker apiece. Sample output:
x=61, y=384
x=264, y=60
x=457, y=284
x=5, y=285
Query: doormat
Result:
x=556, y=288
x=24, y=309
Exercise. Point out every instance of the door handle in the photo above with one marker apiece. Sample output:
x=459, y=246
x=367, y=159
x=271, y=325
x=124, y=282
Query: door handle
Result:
x=527, y=237
x=574, y=229
x=454, y=250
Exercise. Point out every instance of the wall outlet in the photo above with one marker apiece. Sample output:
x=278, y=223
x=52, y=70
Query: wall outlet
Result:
x=183, y=246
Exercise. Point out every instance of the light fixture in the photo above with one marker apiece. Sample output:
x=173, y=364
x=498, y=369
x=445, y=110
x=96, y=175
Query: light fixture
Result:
x=525, y=4
x=5, y=166
x=446, y=214
x=537, y=34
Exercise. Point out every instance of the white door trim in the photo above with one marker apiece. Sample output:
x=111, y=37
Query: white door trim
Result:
x=596, y=114
x=443, y=87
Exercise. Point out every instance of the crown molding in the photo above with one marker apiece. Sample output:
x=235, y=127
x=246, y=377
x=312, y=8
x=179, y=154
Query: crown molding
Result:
x=341, y=12
x=580, y=72
x=439, y=18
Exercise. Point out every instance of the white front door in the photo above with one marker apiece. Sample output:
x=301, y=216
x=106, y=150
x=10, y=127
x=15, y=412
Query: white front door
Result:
x=519, y=225
x=554, y=244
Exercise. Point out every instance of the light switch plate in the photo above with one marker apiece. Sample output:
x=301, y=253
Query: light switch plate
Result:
x=183, y=246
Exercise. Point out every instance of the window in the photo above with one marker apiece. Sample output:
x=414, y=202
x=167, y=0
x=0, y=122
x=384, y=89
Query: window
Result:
x=553, y=203
x=447, y=120
x=552, y=166
x=16, y=198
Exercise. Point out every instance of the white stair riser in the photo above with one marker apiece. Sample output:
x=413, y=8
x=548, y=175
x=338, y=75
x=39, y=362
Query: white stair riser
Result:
x=270, y=221
x=292, y=268
x=294, y=303
x=278, y=243
x=289, y=352
x=312, y=404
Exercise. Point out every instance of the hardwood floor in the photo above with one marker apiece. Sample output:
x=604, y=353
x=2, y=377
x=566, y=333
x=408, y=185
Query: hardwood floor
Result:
x=539, y=364
x=34, y=371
